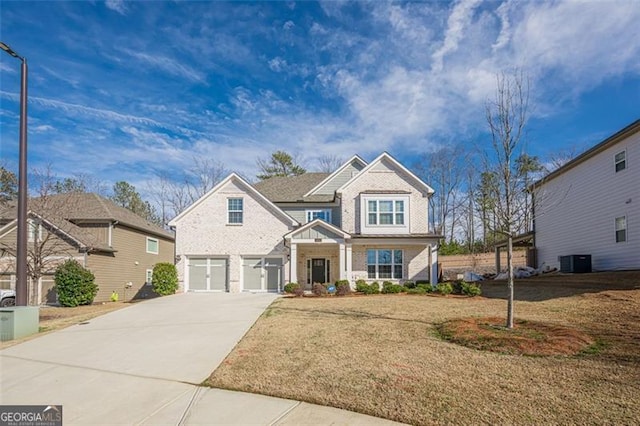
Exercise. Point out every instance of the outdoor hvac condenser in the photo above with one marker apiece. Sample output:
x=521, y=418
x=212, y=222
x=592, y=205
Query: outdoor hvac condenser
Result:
x=576, y=263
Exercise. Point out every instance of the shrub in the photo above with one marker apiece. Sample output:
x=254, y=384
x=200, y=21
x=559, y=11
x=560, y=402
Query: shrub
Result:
x=444, y=288
x=343, y=287
x=75, y=284
x=416, y=290
x=428, y=288
x=470, y=289
x=291, y=287
x=165, y=279
x=389, y=287
x=375, y=287
x=319, y=289
x=362, y=287
x=409, y=285
x=298, y=291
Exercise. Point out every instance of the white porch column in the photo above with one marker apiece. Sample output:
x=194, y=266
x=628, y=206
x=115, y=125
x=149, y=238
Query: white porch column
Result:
x=293, y=263
x=433, y=256
x=349, y=264
x=343, y=262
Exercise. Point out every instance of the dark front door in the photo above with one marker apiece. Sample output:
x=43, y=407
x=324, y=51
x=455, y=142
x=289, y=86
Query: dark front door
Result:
x=318, y=271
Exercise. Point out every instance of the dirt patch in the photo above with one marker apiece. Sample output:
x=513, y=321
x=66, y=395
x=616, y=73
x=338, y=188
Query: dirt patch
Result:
x=525, y=338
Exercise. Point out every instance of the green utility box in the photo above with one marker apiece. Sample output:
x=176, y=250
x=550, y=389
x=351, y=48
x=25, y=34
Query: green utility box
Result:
x=18, y=321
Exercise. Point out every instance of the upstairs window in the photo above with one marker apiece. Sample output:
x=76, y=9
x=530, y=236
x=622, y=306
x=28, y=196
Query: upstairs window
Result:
x=384, y=263
x=621, y=229
x=235, y=211
x=385, y=212
x=152, y=245
x=319, y=214
x=621, y=161
x=34, y=230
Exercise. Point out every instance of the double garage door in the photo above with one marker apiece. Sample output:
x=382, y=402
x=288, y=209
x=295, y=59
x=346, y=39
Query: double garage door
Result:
x=258, y=274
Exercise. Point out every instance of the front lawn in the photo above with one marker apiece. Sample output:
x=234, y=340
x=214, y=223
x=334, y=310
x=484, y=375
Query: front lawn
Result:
x=381, y=355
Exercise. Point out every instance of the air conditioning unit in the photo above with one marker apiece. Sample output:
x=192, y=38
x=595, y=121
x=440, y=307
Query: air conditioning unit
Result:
x=575, y=263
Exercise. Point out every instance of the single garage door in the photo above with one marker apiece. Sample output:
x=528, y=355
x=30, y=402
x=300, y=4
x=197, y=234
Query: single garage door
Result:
x=262, y=273
x=208, y=274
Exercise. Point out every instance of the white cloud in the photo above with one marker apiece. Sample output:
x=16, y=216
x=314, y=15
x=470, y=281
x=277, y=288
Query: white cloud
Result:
x=171, y=66
x=459, y=19
x=288, y=25
x=117, y=6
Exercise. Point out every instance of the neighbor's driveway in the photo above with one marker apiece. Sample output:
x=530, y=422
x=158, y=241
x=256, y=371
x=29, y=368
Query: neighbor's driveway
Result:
x=131, y=365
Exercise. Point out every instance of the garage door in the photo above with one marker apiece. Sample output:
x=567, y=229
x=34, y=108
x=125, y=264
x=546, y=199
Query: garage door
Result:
x=207, y=274
x=262, y=274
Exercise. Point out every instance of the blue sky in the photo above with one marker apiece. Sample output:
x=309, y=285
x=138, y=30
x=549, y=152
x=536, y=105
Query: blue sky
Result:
x=123, y=90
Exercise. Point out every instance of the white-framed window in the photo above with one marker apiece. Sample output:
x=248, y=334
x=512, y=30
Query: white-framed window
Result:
x=153, y=245
x=384, y=264
x=385, y=212
x=235, y=211
x=34, y=231
x=149, y=276
x=621, y=229
x=324, y=214
x=620, y=161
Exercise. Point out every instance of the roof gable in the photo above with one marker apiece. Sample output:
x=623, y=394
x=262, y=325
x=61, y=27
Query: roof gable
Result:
x=320, y=229
x=239, y=183
x=385, y=160
x=355, y=162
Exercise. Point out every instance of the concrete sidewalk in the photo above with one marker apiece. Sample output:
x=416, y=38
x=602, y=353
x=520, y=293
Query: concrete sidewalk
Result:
x=142, y=365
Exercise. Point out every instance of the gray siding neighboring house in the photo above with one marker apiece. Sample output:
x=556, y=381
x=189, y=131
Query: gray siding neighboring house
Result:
x=364, y=221
x=118, y=246
x=591, y=206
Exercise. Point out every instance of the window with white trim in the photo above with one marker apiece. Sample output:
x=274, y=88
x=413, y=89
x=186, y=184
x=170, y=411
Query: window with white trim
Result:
x=620, y=160
x=384, y=263
x=621, y=229
x=34, y=230
x=319, y=214
x=153, y=245
x=385, y=212
x=235, y=211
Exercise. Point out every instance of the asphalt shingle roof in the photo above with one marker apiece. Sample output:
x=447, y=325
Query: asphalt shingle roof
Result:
x=292, y=188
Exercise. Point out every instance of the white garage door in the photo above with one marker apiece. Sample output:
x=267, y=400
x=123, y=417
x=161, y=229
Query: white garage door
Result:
x=207, y=274
x=262, y=273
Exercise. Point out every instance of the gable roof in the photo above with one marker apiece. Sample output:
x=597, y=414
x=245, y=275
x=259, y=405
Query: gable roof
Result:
x=321, y=223
x=605, y=144
x=396, y=164
x=292, y=189
x=356, y=158
x=248, y=188
x=84, y=207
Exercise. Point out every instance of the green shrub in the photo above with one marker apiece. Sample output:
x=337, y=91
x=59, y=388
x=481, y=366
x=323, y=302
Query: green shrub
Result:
x=165, y=279
x=428, y=288
x=319, y=289
x=409, y=285
x=416, y=290
x=389, y=287
x=75, y=284
x=375, y=287
x=470, y=289
x=444, y=288
x=362, y=287
x=291, y=287
x=343, y=287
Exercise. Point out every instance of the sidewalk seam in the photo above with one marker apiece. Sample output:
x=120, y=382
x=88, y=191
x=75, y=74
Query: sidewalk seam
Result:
x=285, y=414
x=185, y=414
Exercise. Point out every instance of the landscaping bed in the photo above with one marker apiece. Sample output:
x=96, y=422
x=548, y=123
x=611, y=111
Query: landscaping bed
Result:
x=383, y=355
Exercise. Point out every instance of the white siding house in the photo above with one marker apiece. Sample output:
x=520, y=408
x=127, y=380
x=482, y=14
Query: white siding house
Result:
x=591, y=206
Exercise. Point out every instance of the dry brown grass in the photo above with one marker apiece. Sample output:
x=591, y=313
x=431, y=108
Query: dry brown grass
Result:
x=380, y=355
x=55, y=318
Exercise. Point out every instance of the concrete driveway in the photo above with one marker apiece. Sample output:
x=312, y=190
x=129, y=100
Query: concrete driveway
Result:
x=142, y=365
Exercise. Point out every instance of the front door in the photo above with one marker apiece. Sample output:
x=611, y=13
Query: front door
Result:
x=318, y=271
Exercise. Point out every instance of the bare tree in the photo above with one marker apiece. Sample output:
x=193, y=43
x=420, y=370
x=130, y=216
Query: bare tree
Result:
x=329, y=163
x=507, y=116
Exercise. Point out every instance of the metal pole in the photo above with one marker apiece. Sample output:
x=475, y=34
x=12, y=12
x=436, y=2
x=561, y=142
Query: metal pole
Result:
x=22, y=290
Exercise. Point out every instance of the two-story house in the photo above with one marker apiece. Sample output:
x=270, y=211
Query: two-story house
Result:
x=363, y=221
x=591, y=206
x=118, y=246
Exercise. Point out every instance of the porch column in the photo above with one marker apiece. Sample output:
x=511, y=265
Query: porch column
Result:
x=343, y=262
x=349, y=263
x=433, y=256
x=293, y=263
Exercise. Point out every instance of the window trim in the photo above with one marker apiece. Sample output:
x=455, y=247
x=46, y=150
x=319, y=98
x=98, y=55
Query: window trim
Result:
x=229, y=211
x=157, y=245
x=625, y=236
x=34, y=227
x=149, y=276
x=393, y=212
x=393, y=264
x=622, y=162
x=310, y=212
